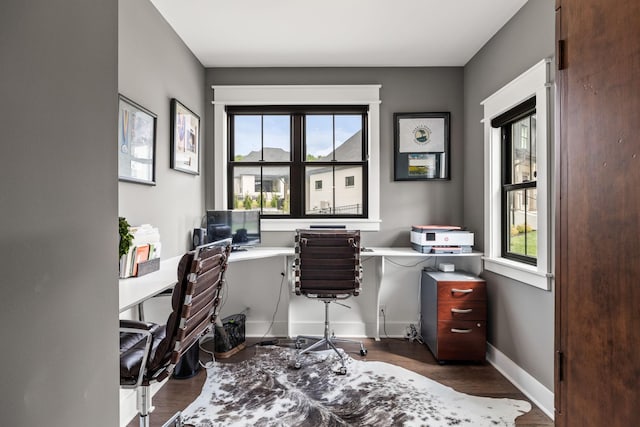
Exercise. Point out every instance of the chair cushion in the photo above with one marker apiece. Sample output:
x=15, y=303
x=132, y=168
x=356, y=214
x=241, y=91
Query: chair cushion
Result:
x=132, y=350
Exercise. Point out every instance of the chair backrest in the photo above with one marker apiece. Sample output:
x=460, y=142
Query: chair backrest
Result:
x=327, y=263
x=195, y=302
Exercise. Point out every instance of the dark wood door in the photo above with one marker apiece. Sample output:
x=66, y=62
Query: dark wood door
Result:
x=598, y=215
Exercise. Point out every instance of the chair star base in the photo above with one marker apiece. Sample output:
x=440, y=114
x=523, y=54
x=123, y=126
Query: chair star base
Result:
x=328, y=341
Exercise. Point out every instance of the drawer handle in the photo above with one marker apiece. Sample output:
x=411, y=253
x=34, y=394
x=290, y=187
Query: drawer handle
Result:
x=461, y=310
x=461, y=331
x=461, y=291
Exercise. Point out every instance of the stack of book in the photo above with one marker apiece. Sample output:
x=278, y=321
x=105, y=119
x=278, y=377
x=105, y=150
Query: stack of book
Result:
x=144, y=255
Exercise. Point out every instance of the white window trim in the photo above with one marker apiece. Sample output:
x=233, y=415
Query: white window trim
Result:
x=535, y=81
x=300, y=95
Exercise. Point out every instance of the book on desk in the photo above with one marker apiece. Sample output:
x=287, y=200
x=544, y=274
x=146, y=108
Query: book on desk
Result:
x=144, y=254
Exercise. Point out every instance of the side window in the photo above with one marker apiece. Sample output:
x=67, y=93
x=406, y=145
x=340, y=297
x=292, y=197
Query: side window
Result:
x=518, y=178
x=519, y=182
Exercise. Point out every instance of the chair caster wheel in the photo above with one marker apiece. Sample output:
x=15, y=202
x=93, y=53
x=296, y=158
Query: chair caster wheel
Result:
x=363, y=352
x=342, y=371
x=297, y=365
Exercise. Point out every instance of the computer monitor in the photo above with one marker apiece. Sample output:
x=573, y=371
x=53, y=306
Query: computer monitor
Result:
x=243, y=226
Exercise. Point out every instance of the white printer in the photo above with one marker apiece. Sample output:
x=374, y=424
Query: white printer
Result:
x=441, y=239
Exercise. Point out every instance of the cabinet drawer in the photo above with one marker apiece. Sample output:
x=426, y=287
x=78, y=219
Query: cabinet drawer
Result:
x=461, y=340
x=462, y=310
x=461, y=291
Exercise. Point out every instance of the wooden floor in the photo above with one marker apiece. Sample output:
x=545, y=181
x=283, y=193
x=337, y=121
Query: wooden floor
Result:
x=476, y=379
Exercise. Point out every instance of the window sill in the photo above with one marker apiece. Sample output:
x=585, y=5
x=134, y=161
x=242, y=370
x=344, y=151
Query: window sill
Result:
x=526, y=274
x=362, y=224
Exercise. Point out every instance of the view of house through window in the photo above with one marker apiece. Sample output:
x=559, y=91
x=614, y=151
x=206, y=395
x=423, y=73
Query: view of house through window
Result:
x=295, y=162
x=520, y=210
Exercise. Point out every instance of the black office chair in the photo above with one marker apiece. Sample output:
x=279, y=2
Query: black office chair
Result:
x=149, y=352
x=328, y=268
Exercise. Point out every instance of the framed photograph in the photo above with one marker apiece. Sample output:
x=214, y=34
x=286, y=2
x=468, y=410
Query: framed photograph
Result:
x=136, y=142
x=421, y=146
x=185, y=139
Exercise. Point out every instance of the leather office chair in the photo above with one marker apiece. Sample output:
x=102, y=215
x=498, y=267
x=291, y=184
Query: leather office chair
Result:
x=149, y=352
x=327, y=267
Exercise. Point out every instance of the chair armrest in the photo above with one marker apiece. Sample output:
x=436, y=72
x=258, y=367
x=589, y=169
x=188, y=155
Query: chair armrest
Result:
x=136, y=324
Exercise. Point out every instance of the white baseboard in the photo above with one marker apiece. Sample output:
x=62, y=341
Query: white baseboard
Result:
x=528, y=385
x=395, y=329
x=258, y=329
x=342, y=329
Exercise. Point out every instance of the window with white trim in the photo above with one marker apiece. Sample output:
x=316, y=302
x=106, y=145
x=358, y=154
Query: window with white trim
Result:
x=518, y=178
x=365, y=97
x=297, y=156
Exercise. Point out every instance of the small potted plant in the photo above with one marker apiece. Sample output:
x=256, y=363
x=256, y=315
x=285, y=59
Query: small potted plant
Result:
x=126, y=238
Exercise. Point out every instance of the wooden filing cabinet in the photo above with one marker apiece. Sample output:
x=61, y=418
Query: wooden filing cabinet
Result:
x=454, y=315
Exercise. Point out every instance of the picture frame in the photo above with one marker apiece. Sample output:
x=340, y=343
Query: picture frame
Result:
x=136, y=142
x=421, y=146
x=185, y=139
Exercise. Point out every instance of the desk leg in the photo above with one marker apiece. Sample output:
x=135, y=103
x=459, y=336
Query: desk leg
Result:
x=141, y=311
x=288, y=277
x=378, y=288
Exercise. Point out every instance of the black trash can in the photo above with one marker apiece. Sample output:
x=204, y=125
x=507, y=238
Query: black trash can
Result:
x=189, y=363
x=230, y=338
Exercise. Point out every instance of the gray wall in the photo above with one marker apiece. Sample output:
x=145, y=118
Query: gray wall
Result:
x=521, y=317
x=58, y=210
x=403, y=90
x=155, y=66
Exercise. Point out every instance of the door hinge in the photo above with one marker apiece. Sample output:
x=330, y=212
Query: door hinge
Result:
x=561, y=55
x=560, y=365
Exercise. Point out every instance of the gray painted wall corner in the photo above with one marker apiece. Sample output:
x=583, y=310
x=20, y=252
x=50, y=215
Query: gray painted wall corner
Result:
x=521, y=318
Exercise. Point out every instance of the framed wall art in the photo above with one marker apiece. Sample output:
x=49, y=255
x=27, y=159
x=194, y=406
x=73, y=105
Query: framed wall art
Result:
x=136, y=142
x=421, y=146
x=185, y=139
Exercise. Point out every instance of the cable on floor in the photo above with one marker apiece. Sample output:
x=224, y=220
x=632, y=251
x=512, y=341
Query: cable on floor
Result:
x=273, y=318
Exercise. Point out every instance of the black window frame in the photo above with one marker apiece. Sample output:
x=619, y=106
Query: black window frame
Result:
x=298, y=160
x=505, y=123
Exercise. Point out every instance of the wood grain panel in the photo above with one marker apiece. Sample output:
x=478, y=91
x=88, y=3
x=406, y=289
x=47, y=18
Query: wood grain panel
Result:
x=599, y=223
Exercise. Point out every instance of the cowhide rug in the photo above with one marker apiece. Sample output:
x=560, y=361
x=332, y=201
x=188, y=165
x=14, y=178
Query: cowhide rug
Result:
x=267, y=391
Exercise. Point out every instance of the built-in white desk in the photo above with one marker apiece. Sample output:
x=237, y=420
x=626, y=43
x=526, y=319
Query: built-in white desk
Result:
x=136, y=290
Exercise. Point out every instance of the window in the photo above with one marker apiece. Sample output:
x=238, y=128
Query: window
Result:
x=250, y=154
x=349, y=181
x=519, y=193
x=518, y=228
x=287, y=154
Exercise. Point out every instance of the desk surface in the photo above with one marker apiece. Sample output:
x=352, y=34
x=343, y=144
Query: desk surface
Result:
x=135, y=290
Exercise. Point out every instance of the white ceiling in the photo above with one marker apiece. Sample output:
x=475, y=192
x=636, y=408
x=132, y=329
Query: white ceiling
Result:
x=341, y=33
